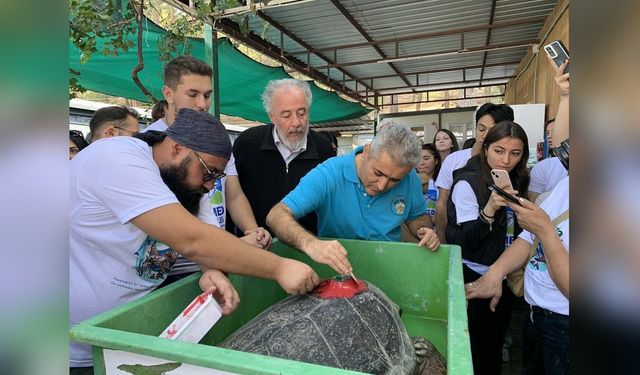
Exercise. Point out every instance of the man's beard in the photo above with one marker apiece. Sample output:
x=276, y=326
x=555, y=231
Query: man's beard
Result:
x=292, y=146
x=175, y=178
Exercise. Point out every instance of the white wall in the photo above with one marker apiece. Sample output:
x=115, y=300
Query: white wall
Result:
x=531, y=118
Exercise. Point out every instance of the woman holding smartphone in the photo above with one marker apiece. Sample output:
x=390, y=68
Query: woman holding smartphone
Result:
x=480, y=222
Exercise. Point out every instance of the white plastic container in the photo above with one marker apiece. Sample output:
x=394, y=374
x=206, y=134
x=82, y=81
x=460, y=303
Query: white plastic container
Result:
x=195, y=321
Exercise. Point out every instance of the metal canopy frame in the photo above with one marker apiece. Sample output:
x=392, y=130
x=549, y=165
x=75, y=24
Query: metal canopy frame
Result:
x=369, y=50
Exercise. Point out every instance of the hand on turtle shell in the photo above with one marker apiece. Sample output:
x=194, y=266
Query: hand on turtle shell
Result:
x=331, y=253
x=295, y=277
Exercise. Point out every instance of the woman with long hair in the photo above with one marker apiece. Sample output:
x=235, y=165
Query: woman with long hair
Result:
x=482, y=224
x=445, y=142
x=427, y=170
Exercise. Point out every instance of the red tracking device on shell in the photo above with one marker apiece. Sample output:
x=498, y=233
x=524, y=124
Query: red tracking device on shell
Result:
x=339, y=287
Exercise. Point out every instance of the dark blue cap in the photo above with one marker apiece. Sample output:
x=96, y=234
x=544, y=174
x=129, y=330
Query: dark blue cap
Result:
x=200, y=131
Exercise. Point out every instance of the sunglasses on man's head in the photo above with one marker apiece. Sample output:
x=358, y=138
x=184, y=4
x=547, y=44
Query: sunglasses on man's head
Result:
x=209, y=175
x=126, y=130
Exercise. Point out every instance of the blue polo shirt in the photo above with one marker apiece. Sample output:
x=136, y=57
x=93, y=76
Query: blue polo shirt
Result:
x=344, y=209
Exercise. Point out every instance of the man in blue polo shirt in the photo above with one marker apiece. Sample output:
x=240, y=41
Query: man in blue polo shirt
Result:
x=366, y=194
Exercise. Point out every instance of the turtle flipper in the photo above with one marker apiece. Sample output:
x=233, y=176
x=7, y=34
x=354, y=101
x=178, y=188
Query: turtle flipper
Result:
x=430, y=361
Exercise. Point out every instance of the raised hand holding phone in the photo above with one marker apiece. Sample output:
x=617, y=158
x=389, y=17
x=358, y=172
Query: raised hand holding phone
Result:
x=501, y=179
x=558, y=53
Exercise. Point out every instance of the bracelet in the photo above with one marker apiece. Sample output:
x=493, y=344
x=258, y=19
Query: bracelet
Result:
x=486, y=220
x=485, y=215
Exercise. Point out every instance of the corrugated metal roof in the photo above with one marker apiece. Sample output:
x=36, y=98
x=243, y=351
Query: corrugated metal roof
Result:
x=415, y=41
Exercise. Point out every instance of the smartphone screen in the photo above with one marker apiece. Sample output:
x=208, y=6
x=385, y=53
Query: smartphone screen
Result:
x=504, y=194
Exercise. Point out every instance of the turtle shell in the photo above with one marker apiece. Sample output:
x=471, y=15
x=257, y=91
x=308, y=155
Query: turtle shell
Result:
x=361, y=333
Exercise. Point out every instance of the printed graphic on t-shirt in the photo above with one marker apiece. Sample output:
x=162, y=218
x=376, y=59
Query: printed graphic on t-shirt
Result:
x=216, y=201
x=539, y=262
x=154, y=260
x=398, y=204
x=511, y=228
x=430, y=198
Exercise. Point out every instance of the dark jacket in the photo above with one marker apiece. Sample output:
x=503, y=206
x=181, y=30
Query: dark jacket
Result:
x=264, y=176
x=478, y=243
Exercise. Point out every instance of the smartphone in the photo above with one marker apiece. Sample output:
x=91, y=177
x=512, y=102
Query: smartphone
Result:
x=504, y=194
x=558, y=53
x=501, y=179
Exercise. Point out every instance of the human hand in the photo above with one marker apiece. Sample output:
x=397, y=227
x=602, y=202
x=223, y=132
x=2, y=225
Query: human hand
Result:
x=295, y=277
x=488, y=286
x=531, y=217
x=428, y=238
x=496, y=200
x=251, y=238
x=562, y=79
x=331, y=253
x=263, y=237
x=217, y=284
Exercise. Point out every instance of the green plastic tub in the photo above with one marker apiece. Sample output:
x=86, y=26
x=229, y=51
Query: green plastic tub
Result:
x=427, y=285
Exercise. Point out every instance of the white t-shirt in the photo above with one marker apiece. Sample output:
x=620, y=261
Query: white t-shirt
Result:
x=546, y=175
x=430, y=198
x=111, y=261
x=158, y=125
x=454, y=161
x=213, y=209
x=539, y=288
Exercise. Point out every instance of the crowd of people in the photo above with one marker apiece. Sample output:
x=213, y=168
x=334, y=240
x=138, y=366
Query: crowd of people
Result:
x=150, y=206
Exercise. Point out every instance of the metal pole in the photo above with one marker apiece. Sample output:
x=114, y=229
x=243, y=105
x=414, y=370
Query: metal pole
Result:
x=211, y=57
x=376, y=114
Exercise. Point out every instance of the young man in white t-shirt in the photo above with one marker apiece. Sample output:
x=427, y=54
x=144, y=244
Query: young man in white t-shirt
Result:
x=486, y=117
x=548, y=172
x=187, y=84
x=129, y=197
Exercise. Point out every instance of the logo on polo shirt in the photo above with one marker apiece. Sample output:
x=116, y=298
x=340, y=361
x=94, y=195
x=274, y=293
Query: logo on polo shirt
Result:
x=398, y=204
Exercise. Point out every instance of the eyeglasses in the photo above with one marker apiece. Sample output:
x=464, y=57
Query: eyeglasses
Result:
x=209, y=175
x=127, y=130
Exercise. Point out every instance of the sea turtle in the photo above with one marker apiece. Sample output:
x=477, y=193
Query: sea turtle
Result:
x=361, y=333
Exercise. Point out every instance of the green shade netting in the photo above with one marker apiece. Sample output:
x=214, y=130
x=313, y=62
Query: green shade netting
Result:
x=241, y=81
